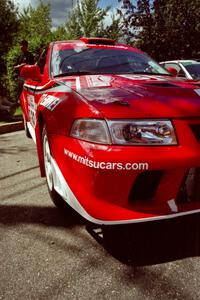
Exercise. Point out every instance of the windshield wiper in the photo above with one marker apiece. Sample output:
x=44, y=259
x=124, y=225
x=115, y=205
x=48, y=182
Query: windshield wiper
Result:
x=151, y=73
x=75, y=73
x=115, y=73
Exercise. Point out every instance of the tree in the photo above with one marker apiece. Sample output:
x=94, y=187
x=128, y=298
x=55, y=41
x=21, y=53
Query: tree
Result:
x=126, y=13
x=87, y=19
x=73, y=27
x=112, y=30
x=59, y=33
x=168, y=29
x=34, y=26
x=136, y=20
x=9, y=24
x=177, y=26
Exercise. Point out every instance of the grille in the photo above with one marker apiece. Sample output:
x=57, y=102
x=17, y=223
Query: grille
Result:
x=196, y=131
x=145, y=185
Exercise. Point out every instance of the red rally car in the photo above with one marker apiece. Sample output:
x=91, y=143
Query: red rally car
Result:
x=118, y=137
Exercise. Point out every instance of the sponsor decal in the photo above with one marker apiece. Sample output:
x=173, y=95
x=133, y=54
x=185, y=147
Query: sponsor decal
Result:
x=32, y=109
x=98, y=81
x=78, y=84
x=50, y=101
x=106, y=165
x=143, y=77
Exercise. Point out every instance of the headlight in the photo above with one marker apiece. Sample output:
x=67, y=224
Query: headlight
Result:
x=154, y=132
x=90, y=130
x=125, y=132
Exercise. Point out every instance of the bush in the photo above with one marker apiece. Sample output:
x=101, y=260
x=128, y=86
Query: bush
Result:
x=11, y=77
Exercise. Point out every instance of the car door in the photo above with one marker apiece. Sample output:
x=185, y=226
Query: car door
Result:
x=29, y=101
x=33, y=90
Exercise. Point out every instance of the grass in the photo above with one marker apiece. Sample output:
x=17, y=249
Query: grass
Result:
x=18, y=112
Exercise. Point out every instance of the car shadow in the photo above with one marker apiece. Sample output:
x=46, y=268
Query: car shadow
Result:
x=138, y=244
x=12, y=215
x=151, y=243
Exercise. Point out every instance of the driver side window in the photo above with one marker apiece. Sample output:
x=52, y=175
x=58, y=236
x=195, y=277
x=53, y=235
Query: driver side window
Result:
x=181, y=73
x=42, y=60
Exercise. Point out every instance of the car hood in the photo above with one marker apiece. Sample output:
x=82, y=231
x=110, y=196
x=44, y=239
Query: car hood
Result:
x=138, y=96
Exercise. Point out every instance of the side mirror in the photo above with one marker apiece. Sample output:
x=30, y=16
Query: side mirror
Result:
x=172, y=71
x=31, y=72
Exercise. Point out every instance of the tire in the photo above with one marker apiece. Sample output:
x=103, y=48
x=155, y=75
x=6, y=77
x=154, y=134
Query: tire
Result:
x=56, y=198
x=27, y=132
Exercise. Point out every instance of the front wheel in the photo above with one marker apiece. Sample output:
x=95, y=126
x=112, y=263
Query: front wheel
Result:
x=56, y=198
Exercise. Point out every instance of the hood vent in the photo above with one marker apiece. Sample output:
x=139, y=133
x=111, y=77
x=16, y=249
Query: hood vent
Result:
x=162, y=84
x=98, y=41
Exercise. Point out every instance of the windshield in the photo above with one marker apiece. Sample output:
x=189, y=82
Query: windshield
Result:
x=194, y=70
x=102, y=61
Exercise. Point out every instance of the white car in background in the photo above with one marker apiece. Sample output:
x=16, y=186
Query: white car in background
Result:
x=189, y=69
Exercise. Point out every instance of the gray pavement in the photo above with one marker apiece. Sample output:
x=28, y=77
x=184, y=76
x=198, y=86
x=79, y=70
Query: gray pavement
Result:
x=49, y=254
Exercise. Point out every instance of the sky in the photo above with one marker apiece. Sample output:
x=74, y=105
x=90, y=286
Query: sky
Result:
x=60, y=8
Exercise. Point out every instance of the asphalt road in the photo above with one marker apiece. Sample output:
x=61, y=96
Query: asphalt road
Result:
x=50, y=254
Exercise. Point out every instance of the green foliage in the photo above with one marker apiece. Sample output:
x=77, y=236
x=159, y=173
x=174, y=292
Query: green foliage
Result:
x=59, y=34
x=11, y=77
x=73, y=27
x=86, y=19
x=177, y=27
x=35, y=27
x=90, y=17
x=9, y=26
x=127, y=13
x=113, y=30
x=18, y=112
x=36, y=22
x=166, y=29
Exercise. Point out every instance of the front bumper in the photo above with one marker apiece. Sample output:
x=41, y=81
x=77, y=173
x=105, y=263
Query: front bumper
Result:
x=120, y=196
